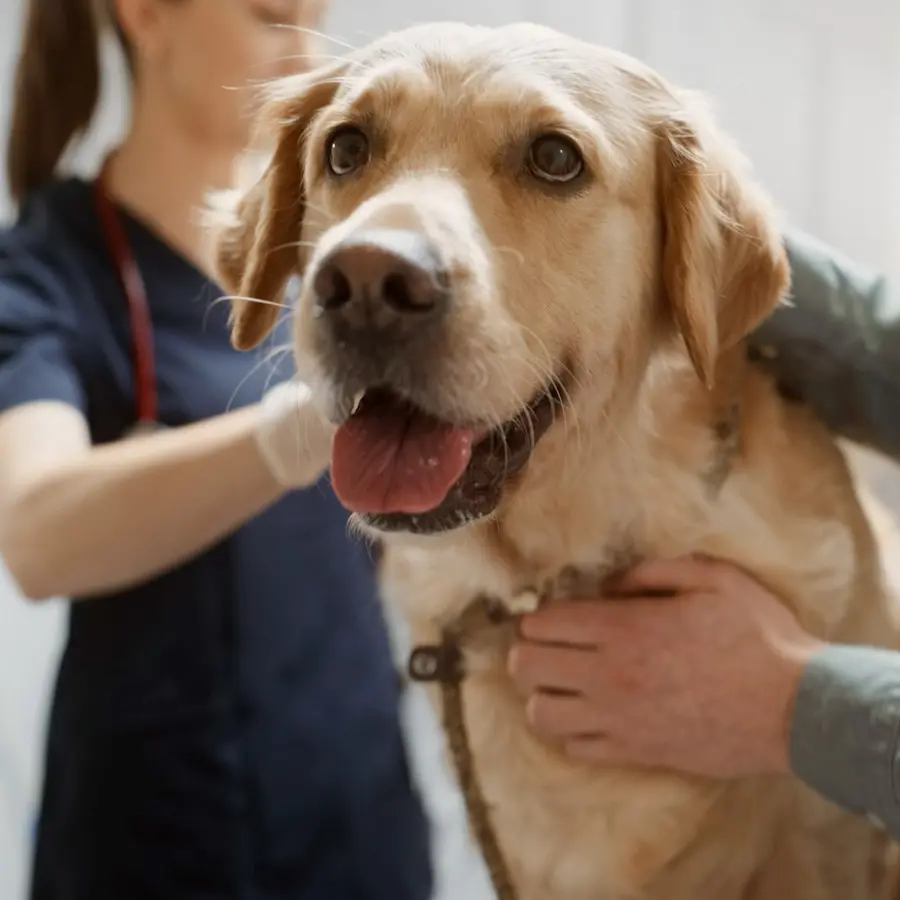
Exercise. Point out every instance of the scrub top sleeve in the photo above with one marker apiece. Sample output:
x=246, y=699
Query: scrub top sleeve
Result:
x=38, y=341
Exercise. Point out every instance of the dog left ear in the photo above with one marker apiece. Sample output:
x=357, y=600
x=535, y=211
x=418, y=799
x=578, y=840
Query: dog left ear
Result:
x=258, y=249
x=724, y=267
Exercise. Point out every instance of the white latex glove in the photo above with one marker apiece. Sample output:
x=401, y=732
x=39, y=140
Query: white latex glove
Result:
x=293, y=436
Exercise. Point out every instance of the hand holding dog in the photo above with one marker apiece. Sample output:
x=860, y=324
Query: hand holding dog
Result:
x=700, y=681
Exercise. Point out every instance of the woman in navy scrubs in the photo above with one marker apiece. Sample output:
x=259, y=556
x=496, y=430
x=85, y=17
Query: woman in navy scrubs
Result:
x=225, y=720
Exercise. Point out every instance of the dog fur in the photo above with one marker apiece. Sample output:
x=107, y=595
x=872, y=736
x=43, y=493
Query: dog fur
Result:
x=645, y=281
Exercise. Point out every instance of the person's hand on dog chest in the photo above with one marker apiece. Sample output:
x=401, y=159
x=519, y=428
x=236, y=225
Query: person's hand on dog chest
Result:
x=700, y=681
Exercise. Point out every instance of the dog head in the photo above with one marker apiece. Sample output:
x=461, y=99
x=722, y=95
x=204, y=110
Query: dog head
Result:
x=491, y=224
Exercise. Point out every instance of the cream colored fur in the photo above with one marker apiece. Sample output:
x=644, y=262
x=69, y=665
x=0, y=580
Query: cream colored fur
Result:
x=645, y=281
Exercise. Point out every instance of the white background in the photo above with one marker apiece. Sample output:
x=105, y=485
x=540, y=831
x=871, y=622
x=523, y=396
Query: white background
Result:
x=810, y=87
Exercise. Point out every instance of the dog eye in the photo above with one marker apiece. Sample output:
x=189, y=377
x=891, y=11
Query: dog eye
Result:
x=348, y=150
x=275, y=13
x=555, y=158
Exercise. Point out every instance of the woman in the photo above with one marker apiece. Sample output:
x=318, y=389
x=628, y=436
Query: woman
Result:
x=225, y=717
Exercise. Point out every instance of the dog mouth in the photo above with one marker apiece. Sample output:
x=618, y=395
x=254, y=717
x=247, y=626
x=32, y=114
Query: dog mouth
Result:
x=401, y=468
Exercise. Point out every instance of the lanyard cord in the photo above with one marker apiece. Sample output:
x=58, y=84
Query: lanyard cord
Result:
x=138, y=308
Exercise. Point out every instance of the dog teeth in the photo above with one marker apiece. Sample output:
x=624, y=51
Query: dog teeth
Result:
x=344, y=405
x=526, y=601
x=341, y=408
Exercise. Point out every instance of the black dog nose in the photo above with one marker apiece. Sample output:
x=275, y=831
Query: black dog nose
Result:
x=381, y=280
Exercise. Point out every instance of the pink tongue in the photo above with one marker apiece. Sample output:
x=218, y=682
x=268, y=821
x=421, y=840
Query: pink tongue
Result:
x=389, y=458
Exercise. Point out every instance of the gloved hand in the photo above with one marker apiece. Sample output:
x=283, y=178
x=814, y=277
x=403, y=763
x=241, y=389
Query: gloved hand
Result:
x=293, y=436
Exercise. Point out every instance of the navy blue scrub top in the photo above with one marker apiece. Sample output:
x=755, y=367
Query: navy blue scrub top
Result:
x=229, y=729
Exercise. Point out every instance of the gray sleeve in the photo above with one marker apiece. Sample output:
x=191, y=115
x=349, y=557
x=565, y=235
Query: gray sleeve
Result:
x=845, y=727
x=836, y=345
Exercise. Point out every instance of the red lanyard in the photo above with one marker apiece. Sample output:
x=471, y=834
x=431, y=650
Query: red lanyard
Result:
x=138, y=309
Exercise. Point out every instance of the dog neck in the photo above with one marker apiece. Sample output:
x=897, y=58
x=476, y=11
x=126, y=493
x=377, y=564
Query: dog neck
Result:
x=611, y=481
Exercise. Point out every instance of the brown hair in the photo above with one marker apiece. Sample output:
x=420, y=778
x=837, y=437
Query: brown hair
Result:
x=57, y=87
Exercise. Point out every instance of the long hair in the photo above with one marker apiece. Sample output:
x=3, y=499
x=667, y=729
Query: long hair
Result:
x=56, y=89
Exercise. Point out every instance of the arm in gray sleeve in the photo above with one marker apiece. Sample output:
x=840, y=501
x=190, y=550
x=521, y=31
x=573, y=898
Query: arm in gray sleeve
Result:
x=845, y=728
x=837, y=345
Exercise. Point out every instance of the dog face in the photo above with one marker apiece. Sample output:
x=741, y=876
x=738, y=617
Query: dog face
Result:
x=491, y=224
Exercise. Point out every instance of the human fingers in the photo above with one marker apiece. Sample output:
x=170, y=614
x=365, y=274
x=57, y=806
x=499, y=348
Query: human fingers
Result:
x=544, y=667
x=678, y=575
x=562, y=715
x=576, y=624
x=598, y=748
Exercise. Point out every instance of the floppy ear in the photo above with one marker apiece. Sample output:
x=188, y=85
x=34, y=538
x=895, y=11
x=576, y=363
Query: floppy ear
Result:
x=724, y=267
x=257, y=251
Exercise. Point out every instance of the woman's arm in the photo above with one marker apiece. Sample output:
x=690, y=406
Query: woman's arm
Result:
x=837, y=346
x=77, y=520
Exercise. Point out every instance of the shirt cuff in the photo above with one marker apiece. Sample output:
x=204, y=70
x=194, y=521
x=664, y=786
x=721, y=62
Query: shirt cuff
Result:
x=844, y=728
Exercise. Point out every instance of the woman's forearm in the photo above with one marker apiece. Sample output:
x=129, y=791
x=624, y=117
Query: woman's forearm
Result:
x=123, y=512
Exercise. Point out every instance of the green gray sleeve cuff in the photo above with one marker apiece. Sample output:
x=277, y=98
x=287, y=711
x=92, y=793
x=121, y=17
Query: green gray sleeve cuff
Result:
x=845, y=727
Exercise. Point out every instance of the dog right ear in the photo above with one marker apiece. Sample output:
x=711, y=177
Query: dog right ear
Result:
x=724, y=264
x=257, y=250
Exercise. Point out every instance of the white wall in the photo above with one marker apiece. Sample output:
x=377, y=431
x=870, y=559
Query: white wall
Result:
x=811, y=88
x=28, y=645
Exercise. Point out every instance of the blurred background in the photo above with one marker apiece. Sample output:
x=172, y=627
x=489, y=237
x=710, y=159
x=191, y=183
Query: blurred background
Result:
x=811, y=88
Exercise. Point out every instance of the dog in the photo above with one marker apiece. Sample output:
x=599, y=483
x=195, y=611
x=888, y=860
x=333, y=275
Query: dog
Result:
x=529, y=268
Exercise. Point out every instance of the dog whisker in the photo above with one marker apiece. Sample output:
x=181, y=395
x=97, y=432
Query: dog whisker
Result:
x=232, y=297
x=312, y=32
x=293, y=57
x=289, y=245
x=272, y=357
x=317, y=209
x=513, y=251
x=271, y=87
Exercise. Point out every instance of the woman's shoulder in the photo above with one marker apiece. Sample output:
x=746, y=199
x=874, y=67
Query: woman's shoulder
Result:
x=47, y=253
x=61, y=209
x=50, y=220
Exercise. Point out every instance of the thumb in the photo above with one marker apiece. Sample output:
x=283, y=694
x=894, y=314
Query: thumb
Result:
x=661, y=576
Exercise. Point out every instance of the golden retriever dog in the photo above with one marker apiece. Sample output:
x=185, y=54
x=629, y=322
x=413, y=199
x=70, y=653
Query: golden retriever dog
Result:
x=529, y=265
